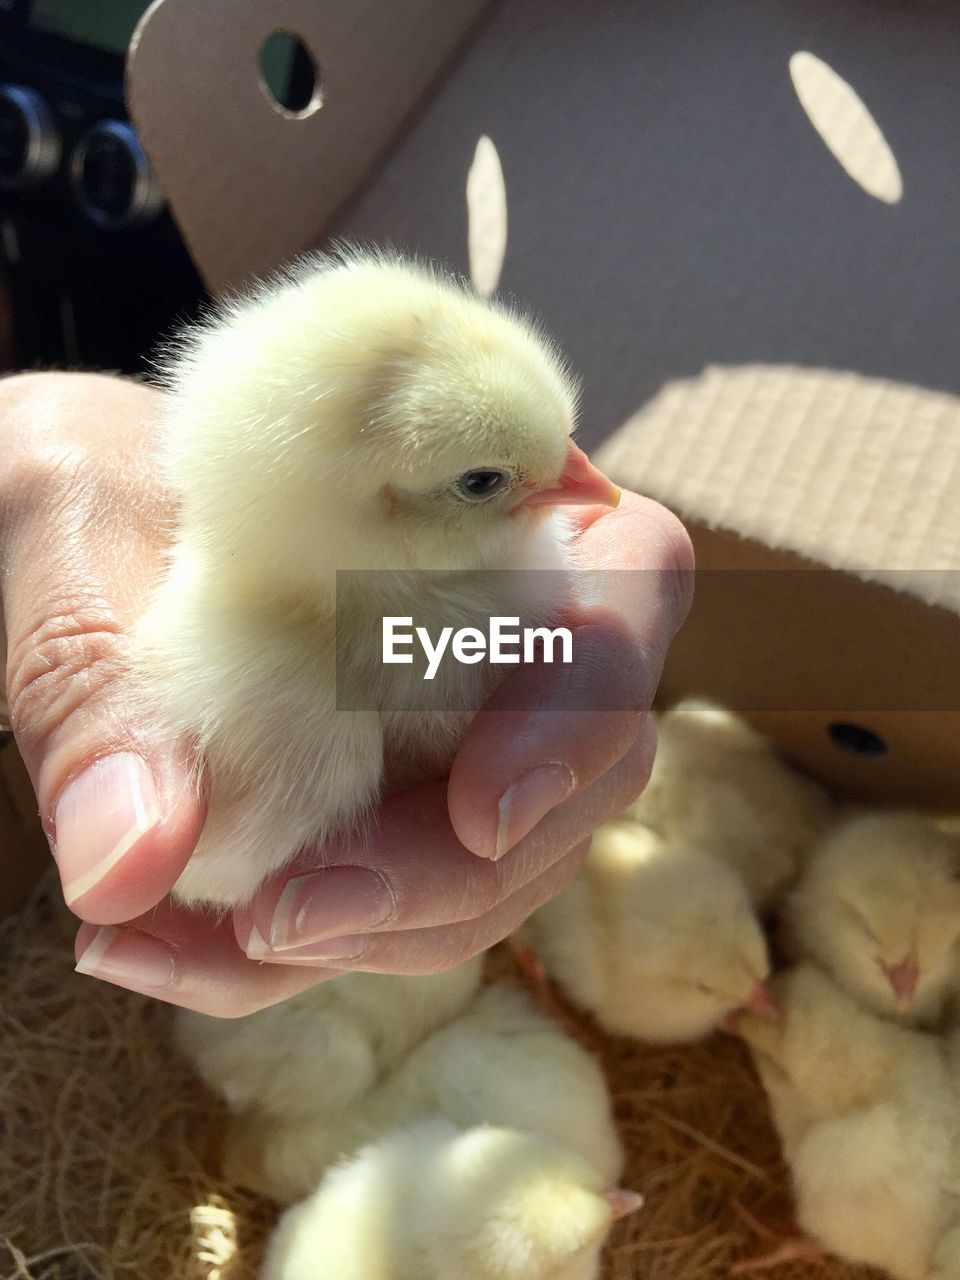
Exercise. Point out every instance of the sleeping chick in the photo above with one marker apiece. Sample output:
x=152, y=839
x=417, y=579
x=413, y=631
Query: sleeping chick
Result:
x=501, y=1062
x=879, y=908
x=868, y=1121
x=360, y=413
x=324, y=1048
x=655, y=939
x=433, y=1203
x=719, y=786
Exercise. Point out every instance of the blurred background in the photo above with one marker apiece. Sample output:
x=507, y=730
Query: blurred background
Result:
x=92, y=268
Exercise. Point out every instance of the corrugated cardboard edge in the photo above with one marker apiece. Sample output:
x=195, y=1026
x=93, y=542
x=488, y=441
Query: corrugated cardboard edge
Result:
x=862, y=474
x=251, y=185
x=795, y=647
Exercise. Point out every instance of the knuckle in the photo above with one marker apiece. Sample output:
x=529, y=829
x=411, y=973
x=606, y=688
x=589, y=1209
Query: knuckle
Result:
x=67, y=659
x=559, y=877
x=481, y=891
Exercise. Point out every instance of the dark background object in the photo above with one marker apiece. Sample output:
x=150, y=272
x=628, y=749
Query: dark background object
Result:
x=92, y=268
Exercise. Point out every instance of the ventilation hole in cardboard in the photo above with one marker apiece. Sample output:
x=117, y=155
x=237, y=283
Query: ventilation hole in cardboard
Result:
x=847, y=128
x=290, y=75
x=856, y=738
x=486, y=218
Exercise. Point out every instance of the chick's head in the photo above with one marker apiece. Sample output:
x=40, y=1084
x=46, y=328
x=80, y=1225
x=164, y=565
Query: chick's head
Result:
x=688, y=949
x=369, y=413
x=879, y=908
x=513, y=1206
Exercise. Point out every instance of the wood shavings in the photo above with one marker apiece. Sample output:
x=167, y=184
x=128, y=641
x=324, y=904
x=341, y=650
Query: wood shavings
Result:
x=110, y=1153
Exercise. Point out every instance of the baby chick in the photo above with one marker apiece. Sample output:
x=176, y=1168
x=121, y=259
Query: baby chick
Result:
x=719, y=786
x=501, y=1062
x=347, y=1034
x=868, y=1121
x=879, y=908
x=360, y=413
x=656, y=939
x=431, y=1202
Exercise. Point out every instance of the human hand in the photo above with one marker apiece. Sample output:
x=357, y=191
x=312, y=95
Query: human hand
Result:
x=83, y=524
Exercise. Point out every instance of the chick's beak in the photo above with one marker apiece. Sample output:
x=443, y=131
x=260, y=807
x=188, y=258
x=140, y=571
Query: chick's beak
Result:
x=622, y=1202
x=761, y=1002
x=581, y=483
x=903, y=978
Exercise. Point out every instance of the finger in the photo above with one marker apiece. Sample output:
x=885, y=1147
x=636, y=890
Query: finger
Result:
x=187, y=960
x=413, y=873
x=79, y=551
x=434, y=950
x=576, y=720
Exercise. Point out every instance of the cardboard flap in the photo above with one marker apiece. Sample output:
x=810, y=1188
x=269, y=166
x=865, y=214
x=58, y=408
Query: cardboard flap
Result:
x=855, y=473
x=250, y=184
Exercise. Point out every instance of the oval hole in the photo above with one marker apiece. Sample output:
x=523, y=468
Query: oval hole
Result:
x=856, y=738
x=289, y=73
x=844, y=123
x=486, y=218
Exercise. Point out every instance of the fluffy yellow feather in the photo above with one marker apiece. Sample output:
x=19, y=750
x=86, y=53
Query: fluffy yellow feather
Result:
x=349, y=1034
x=359, y=413
x=656, y=940
x=378, y=1136
x=879, y=908
x=500, y=1061
x=719, y=786
x=869, y=1122
x=432, y=1203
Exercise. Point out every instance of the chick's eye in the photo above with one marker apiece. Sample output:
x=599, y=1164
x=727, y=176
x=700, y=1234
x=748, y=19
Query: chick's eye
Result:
x=482, y=483
x=860, y=921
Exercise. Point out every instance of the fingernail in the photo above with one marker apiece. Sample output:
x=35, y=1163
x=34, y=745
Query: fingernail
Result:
x=332, y=951
x=329, y=904
x=523, y=805
x=128, y=959
x=99, y=818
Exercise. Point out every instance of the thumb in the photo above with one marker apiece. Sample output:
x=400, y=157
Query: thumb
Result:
x=80, y=544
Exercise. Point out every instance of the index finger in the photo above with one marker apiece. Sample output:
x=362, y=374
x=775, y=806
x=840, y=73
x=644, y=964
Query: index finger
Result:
x=550, y=731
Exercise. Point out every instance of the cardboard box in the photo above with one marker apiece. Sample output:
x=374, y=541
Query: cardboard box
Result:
x=671, y=206
x=684, y=193
x=752, y=271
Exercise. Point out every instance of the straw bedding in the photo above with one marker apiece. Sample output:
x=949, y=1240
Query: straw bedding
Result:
x=109, y=1147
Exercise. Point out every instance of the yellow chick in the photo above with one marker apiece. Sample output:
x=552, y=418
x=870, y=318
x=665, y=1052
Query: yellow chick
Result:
x=359, y=413
x=719, y=786
x=868, y=1121
x=655, y=939
x=501, y=1062
x=348, y=1033
x=879, y=908
x=432, y=1202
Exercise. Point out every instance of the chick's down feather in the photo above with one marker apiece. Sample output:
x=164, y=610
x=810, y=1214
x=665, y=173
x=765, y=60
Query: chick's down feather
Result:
x=656, y=940
x=501, y=1062
x=879, y=908
x=358, y=413
x=868, y=1120
x=719, y=786
x=320, y=1050
x=431, y=1202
